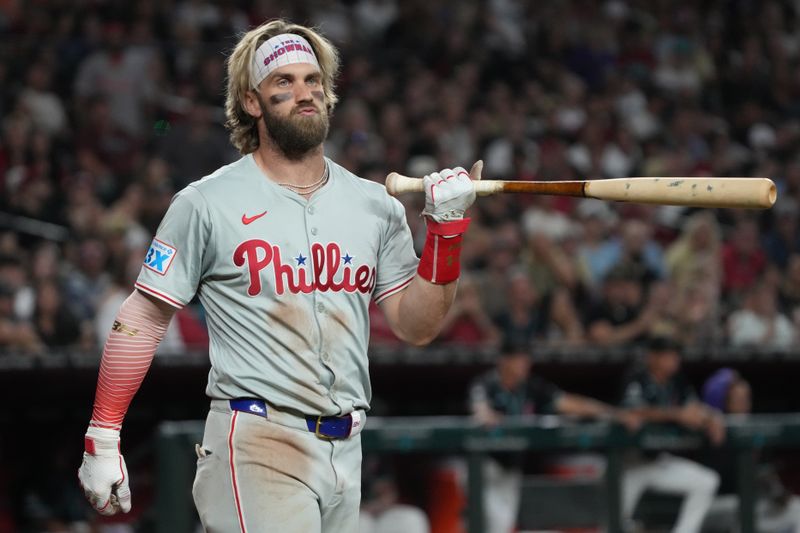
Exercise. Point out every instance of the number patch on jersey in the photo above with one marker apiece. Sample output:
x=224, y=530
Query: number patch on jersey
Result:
x=159, y=257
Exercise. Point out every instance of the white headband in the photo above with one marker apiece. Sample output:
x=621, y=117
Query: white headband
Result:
x=279, y=51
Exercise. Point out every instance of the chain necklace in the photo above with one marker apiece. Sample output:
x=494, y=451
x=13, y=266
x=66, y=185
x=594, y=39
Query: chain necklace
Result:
x=304, y=189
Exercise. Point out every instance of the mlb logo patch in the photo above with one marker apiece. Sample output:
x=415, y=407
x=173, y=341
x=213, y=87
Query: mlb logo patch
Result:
x=159, y=257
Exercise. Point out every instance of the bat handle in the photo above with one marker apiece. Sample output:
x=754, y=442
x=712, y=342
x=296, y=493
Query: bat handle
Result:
x=399, y=184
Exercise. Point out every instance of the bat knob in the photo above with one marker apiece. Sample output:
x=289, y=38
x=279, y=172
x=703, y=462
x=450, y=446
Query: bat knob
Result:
x=399, y=184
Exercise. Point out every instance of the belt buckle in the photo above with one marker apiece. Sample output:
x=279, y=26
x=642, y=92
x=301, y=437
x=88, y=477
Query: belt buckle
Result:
x=316, y=430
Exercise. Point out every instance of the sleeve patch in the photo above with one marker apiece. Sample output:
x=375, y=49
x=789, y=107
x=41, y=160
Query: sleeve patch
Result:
x=159, y=257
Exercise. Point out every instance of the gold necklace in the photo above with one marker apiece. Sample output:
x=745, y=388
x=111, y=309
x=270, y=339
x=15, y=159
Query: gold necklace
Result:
x=304, y=188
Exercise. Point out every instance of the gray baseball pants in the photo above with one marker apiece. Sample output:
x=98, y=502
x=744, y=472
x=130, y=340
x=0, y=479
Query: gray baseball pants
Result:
x=257, y=474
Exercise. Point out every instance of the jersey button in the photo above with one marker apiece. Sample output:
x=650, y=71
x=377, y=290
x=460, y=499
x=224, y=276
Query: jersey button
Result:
x=311, y=210
x=320, y=308
x=325, y=356
x=313, y=231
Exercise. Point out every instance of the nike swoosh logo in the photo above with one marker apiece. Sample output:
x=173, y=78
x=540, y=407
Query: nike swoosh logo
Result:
x=247, y=220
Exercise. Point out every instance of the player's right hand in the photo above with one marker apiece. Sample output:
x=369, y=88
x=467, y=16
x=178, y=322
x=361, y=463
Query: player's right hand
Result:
x=103, y=474
x=693, y=416
x=450, y=192
x=630, y=419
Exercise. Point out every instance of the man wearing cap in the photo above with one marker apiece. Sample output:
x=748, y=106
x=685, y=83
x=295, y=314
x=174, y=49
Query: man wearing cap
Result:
x=285, y=249
x=509, y=389
x=658, y=393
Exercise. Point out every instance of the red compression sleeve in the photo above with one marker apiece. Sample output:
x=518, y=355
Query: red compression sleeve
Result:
x=441, y=258
x=129, y=350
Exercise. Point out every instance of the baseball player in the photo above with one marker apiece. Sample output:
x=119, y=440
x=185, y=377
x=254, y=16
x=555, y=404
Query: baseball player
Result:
x=285, y=249
x=658, y=392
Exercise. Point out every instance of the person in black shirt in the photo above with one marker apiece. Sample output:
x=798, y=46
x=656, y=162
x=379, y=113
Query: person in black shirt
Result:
x=628, y=308
x=659, y=393
x=508, y=390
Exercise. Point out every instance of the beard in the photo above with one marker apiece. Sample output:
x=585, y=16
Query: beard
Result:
x=296, y=135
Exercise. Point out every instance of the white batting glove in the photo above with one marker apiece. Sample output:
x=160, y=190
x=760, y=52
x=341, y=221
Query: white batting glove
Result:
x=450, y=192
x=103, y=474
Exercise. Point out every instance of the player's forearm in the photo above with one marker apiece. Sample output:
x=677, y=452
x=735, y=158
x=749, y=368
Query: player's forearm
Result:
x=138, y=329
x=576, y=405
x=422, y=309
x=603, y=333
x=658, y=414
x=416, y=314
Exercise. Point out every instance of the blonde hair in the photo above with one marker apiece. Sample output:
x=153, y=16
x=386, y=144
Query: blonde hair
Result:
x=243, y=127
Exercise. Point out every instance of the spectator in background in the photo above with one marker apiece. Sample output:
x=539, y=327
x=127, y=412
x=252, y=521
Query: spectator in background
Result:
x=17, y=132
x=44, y=266
x=625, y=313
x=158, y=189
x=633, y=247
x=501, y=257
x=85, y=285
x=120, y=74
x=14, y=275
x=743, y=260
x=196, y=146
x=44, y=169
x=15, y=334
x=56, y=325
x=696, y=254
x=83, y=210
x=692, y=313
x=549, y=263
x=45, y=107
x=677, y=72
x=121, y=230
x=777, y=510
x=759, y=323
x=467, y=322
x=510, y=390
x=355, y=137
x=694, y=264
x=105, y=150
x=597, y=156
x=657, y=392
x=382, y=510
x=544, y=226
x=530, y=316
x=789, y=290
x=784, y=238
x=637, y=248
x=598, y=221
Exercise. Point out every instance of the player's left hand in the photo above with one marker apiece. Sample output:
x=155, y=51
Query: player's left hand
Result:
x=449, y=192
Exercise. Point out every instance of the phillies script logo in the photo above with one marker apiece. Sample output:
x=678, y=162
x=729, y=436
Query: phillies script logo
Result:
x=325, y=274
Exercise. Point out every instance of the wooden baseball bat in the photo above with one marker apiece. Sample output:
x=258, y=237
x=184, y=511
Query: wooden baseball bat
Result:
x=751, y=193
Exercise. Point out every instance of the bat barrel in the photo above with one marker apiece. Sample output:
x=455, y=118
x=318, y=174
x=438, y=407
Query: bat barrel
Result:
x=748, y=193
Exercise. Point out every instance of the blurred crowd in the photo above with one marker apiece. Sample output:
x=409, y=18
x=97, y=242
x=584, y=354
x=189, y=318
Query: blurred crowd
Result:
x=107, y=108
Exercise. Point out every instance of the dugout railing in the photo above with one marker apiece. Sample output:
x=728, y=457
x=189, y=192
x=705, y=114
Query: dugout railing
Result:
x=459, y=435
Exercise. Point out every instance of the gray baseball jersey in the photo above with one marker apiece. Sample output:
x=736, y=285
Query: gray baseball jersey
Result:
x=286, y=283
